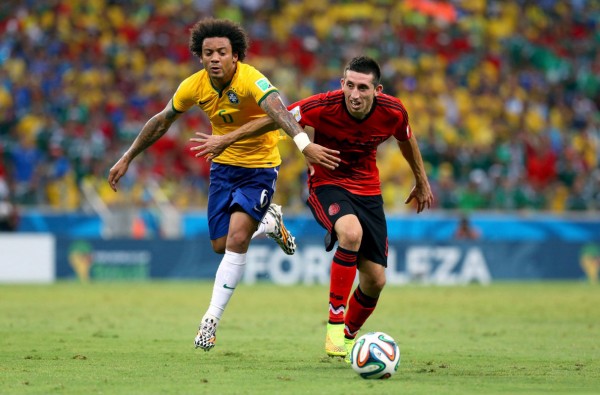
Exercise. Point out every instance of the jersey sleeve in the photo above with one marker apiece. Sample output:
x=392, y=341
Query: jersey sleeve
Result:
x=403, y=131
x=303, y=112
x=185, y=96
x=259, y=85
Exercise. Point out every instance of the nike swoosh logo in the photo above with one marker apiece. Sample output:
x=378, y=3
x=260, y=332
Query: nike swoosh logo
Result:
x=227, y=286
x=203, y=102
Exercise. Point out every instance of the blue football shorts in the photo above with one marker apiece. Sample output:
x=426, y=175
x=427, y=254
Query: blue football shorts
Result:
x=251, y=189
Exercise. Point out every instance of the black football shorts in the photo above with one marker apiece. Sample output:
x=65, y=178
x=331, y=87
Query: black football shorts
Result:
x=328, y=203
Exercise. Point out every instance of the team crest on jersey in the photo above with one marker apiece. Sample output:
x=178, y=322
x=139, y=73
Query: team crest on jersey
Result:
x=264, y=84
x=233, y=97
x=333, y=209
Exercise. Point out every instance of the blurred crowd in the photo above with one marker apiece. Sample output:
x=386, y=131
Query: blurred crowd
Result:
x=503, y=96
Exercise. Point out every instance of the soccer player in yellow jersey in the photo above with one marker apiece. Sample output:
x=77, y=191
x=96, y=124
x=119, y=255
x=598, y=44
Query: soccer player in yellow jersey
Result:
x=243, y=177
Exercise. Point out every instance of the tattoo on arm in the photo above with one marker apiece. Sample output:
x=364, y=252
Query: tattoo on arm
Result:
x=154, y=129
x=274, y=107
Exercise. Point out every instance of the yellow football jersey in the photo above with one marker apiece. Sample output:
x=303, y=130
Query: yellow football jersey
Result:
x=230, y=108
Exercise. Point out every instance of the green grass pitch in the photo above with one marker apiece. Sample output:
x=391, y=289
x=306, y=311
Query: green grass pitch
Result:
x=136, y=338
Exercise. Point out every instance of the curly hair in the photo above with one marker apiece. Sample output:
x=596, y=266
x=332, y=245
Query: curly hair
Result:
x=210, y=27
x=365, y=65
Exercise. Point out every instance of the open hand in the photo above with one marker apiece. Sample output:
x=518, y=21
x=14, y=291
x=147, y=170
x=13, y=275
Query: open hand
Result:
x=209, y=145
x=117, y=171
x=423, y=195
x=316, y=154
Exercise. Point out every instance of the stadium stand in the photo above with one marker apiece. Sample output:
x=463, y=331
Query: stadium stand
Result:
x=504, y=96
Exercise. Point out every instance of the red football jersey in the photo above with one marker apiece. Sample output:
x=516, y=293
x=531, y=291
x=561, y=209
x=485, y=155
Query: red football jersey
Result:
x=356, y=139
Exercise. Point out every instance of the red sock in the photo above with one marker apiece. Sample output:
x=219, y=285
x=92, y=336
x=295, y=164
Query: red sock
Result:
x=360, y=308
x=343, y=273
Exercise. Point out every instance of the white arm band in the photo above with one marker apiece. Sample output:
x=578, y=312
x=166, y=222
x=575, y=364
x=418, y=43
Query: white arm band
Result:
x=301, y=140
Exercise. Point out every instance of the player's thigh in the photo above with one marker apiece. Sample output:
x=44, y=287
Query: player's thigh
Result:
x=374, y=244
x=219, y=201
x=254, y=191
x=328, y=204
x=232, y=188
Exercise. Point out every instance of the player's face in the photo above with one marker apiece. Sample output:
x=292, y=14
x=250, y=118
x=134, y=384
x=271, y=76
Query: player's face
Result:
x=359, y=93
x=219, y=60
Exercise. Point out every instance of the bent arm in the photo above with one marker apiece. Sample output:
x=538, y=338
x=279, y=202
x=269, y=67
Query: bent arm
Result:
x=210, y=146
x=314, y=153
x=278, y=116
x=253, y=128
x=275, y=108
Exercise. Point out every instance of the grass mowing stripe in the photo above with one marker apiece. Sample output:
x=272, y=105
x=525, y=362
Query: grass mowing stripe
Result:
x=136, y=338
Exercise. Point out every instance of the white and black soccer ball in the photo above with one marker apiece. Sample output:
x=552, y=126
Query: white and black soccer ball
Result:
x=375, y=355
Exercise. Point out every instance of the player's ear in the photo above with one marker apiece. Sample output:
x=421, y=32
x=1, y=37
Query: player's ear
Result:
x=342, y=82
x=378, y=89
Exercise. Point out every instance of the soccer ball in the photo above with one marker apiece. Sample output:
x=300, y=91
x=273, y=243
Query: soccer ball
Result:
x=375, y=355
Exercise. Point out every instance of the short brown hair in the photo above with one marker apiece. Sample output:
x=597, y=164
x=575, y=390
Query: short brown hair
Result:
x=365, y=65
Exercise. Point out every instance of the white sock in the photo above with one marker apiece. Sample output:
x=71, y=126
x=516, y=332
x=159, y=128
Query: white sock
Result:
x=267, y=225
x=260, y=230
x=228, y=276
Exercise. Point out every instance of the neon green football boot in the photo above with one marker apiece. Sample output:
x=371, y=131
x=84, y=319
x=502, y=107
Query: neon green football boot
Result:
x=348, y=343
x=334, y=341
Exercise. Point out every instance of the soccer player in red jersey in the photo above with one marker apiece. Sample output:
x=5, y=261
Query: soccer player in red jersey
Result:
x=347, y=201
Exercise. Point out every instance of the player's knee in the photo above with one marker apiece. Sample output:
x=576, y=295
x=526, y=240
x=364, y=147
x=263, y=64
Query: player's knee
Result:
x=237, y=241
x=379, y=283
x=350, y=238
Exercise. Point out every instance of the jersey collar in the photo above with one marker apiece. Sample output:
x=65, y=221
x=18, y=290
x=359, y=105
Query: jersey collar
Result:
x=228, y=84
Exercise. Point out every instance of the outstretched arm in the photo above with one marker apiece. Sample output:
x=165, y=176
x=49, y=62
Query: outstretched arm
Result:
x=154, y=129
x=421, y=191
